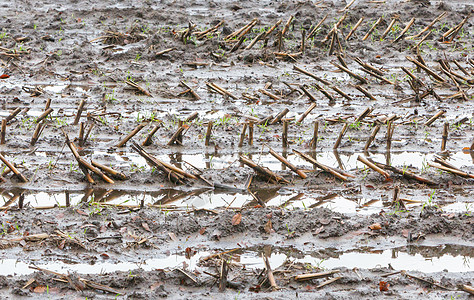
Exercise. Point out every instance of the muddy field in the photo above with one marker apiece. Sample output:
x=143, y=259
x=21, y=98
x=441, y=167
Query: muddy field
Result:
x=260, y=149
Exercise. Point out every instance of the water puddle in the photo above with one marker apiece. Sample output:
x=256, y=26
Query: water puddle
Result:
x=207, y=198
x=411, y=258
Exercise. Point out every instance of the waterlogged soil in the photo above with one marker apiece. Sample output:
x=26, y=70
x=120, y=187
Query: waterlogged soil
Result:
x=146, y=237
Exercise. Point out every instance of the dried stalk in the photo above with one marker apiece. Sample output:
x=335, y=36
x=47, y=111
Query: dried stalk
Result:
x=44, y=115
x=355, y=28
x=79, y=111
x=130, y=135
x=304, y=277
x=279, y=116
x=352, y=74
x=149, y=139
x=389, y=27
x=372, y=137
x=13, y=169
x=208, y=133
x=433, y=118
x=288, y=164
x=306, y=113
x=137, y=87
x=341, y=134
x=365, y=92
x=428, y=27
x=412, y=21
x=114, y=173
x=373, y=167
x=296, y=68
x=372, y=29
x=262, y=171
x=313, y=32
x=321, y=166
x=242, y=135
x=426, y=69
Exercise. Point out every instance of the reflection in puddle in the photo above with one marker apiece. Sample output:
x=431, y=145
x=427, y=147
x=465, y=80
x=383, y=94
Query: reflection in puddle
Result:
x=14, y=267
x=451, y=258
x=207, y=198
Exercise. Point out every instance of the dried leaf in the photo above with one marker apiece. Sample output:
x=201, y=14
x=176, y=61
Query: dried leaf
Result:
x=255, y=289
x=202, y=230
x=319, y=230
x=268, y=227
x=81, y=212
x=40, y=289
x=173, y=236
x=383, y=285
x=375, y=226
x=62, y=244
x=146, y=227
x=189, y=252
x=236, y=219
x=325, y=221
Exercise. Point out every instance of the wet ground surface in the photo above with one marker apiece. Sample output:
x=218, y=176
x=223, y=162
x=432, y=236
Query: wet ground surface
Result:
x=144, y=236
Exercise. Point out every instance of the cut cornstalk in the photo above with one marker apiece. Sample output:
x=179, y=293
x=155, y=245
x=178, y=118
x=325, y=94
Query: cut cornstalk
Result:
x=321, y=166
x=341, y=134
x=159, y=53
x=112, y=172
x=170, y=175
x=405, y=173
x=13, y=169
x=372, y=29
x=412, y=21
x=79, y=112
x=288, y=164
x=434, y=118
x=137, y=87
x=426, y=69
x=313, y=31
x=149, y=139
x=365, y=92
x=389, y=27
x=306, y=113
x=269, y=94
x=208, y=133
x=354, y=28
x=262, y=171
x=296, y=68
x=352, y=74
x=428, y=27
x=242, y=135
x=43, y=115
x=371, y=137
x=130, y=135
x=311, y=276
x=13, y=114
x=279, y=116
x=371, y=165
